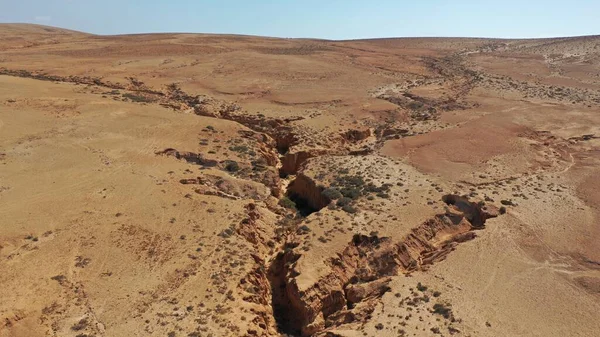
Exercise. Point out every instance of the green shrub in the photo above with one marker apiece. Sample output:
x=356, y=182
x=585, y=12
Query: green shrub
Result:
x=239, y=148
x=415, y=105
x=383, y=195
x=304, y=229
x=349, y=209
x=81, y=325
x=137, y=98
x=232, y=166
x=372, y=188
x=287, y=203
x=343, y=202
x=351, y=181
x=352, y=193
x=259, y=165
x=332, y=193
x=442, y=309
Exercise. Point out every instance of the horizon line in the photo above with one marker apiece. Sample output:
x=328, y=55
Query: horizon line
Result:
x=307, y=38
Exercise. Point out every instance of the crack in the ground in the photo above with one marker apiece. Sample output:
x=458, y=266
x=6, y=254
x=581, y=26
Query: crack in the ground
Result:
x=358, y=274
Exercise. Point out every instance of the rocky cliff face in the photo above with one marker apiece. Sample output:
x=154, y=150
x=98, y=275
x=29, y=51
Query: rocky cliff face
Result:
x=255, y=287
x=293, y=162
x=306, y=193
x=360, y=273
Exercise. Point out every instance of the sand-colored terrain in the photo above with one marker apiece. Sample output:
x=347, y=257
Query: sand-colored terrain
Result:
x=214, y=185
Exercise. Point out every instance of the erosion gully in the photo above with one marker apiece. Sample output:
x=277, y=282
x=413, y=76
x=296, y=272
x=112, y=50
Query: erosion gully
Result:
x=333, y=300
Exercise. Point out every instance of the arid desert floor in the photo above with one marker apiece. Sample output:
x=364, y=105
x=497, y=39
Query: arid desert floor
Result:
x=218, y=185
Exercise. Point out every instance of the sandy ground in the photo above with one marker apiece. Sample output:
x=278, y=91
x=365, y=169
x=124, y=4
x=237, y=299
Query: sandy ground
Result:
x=205, y=185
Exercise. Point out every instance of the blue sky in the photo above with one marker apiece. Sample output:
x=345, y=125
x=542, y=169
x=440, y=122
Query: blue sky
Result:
x=330, y=19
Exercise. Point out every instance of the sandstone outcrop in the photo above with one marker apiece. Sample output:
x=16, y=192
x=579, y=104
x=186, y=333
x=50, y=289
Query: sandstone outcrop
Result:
x=361, y=272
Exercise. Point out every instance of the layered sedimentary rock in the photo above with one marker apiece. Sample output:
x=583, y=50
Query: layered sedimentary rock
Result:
x=361, y=272
x=304, y=190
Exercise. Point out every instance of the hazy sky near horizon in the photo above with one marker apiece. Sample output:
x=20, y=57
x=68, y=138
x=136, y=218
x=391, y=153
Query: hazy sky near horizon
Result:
x=329, y=19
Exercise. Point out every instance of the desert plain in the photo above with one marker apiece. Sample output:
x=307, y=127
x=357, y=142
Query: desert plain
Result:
x=219, y=185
